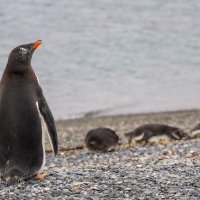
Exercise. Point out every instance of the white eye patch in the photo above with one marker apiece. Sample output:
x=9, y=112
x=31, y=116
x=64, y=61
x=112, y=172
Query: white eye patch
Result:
x=23, y=49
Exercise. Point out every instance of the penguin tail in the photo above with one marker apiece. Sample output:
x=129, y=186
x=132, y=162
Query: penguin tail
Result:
x=131, y=136
x=12, y=180
x=13, y=177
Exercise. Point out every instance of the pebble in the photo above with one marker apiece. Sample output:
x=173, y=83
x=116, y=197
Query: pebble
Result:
x=92, y=177
x=170, y=171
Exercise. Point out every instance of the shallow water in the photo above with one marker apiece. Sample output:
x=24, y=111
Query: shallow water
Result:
x=111, y=56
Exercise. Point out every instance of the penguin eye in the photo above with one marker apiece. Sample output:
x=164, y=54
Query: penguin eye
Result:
x=23, y=50
x=22, y=54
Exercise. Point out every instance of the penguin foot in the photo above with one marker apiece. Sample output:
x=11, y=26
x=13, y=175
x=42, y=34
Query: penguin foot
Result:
x=41, y=175
x=126, y=146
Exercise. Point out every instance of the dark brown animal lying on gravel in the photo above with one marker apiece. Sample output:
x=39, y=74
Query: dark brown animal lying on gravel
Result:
x=195, y=132
x=155, y=133
x=101, y=139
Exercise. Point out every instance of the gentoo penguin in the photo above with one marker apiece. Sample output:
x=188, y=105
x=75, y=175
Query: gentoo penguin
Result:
x=101, y=140
x=24, y=118
x=155, y=133
x=195, y=132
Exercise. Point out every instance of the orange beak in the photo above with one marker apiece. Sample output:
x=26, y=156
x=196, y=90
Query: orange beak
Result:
x=37, y=44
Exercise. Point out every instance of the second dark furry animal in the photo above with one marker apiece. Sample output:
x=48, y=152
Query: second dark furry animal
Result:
x=155, y=133
x=195, y=132
x=101, y=139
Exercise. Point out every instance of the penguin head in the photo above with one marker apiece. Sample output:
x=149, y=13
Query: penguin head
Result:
x=178, y=133
x=21, y=55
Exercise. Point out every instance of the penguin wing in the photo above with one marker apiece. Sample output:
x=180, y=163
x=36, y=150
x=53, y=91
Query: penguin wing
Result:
x=49, y=121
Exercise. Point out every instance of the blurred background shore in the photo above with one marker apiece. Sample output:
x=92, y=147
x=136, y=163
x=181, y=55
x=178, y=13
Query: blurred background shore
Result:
x=71, y=132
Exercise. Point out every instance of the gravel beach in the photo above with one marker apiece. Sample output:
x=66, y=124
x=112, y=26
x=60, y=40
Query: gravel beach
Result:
x=152, y=171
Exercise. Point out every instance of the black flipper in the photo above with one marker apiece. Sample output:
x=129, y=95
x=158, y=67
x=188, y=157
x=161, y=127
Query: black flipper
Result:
x=49, y=121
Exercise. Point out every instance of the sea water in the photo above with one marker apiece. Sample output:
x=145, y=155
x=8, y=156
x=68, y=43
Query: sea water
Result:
x=109, y=56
